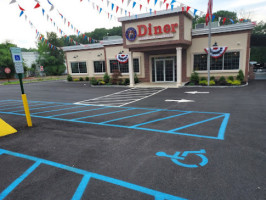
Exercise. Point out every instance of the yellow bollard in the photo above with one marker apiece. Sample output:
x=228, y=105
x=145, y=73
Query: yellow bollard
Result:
x=27, y=110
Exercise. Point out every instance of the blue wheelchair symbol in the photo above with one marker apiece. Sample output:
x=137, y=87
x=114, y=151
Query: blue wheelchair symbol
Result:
x=177, y=157
x=17, y=57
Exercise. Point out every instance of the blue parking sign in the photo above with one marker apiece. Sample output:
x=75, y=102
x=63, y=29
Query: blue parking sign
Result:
x=17, y=57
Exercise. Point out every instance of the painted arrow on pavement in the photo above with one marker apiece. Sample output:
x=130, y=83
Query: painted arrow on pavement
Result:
x=180, y=101
x=196, y=92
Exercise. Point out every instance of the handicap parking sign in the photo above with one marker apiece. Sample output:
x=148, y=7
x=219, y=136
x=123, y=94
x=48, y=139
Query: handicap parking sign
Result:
x=17, y=57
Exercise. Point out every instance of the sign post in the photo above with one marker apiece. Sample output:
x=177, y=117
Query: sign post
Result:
x=17, y=59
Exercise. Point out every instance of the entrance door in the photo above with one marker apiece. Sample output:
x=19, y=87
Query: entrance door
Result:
x=164, y=70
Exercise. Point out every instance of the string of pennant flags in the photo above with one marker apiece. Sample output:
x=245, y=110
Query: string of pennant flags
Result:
x=68, y=38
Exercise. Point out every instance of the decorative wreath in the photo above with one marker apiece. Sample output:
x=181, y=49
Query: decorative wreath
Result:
x=216, y=52
x=122, y=58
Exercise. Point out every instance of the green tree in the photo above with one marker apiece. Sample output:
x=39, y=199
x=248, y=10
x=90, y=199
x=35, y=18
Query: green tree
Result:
x=6, y=59
x=260, y=29
x=51, y=59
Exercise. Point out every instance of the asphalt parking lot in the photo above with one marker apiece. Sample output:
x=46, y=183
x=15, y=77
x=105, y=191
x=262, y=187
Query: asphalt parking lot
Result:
x=212, y=148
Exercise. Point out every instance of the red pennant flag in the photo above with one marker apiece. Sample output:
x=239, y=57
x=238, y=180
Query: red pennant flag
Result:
x=129, y=14
x=164, y=1
x=122, y=1
x=117, y=8
x=188, y=8
x=154, y=12
x=68, y=24
x=37, y=5
x=140, y=6
x=224, y=20
x=148, y=1
x=167, y=5
x=183, y=8
x=97, y=7
x=108, y=15
x=21, y=8
x=241, y=20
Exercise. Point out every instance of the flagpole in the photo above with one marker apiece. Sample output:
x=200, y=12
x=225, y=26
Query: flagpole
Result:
x=209, y=51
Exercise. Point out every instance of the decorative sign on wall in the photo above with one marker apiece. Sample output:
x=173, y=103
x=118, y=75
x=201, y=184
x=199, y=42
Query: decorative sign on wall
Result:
x=131, y=34
x=122, y=58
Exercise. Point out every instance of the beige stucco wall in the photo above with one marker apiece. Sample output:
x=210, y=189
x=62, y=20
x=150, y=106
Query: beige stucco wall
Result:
x=187, y=29
x=112, y=51
x=88, y=56
x=234, y=42
x=155, y=22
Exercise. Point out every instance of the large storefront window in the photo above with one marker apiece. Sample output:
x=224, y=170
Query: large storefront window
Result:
x=123, y=67
x=78, y=68
x=229, y=61
x=99, y=66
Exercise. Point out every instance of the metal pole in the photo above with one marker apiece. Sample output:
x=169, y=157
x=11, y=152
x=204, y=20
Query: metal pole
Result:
x=209, y=51
x=21, y=83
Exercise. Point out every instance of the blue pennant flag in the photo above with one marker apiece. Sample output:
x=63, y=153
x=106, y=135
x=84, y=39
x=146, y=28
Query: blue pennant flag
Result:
x=113, y=6
x=134, y=3
x=213, y=17
x=125, y=12
x=136, y=16
x=195, y=10
x=43, y=12
x=100, y=10
x=172, y=7
x=155, y=2
x=173, y=1
x=150, y=11
x=232, y=21
x=21, y=13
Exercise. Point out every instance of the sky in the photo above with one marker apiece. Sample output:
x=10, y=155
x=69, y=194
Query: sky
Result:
x=84, y=15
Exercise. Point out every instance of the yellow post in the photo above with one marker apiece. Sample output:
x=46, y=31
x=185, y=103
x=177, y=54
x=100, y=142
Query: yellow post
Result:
x=27, y=110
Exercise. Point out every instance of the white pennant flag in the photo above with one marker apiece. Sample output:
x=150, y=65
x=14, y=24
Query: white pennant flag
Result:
x=108, y=2
x=128, y=2
x=13, y=1
x=47, y=16
x=161, y=3
x=121, y=11
x=64, y=20
x=26, y=17
x=93, y=5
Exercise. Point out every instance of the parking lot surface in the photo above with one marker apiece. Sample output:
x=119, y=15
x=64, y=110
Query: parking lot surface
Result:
x=212, y=148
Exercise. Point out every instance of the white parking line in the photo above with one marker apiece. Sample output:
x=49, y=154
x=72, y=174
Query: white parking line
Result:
x=124, y=97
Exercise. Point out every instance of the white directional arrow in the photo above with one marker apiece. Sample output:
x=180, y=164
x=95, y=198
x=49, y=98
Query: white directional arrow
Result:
x=180, y=101
x=196, y=92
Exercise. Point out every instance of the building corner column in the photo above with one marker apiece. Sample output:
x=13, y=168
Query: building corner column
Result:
x=179, y=66
x=131, y=69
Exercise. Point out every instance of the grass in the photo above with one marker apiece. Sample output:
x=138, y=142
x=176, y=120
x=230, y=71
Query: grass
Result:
x=34, y=80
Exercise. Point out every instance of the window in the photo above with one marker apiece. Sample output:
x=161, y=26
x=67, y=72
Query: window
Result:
x=123, y=67
x=229, y=61
x=99, y=66
x=78, y=67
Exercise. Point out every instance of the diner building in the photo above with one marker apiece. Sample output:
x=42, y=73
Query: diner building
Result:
x=163, y=48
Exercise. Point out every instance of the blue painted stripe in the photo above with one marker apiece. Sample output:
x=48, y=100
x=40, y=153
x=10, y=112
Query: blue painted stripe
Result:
x=77, y=112
x=39, y=108
x=223, y=127
x=128, y=117
x=20, y=107
x=13, y=185
x=5, y=104
x=124, y=184
x=156, y=120
x=196, y=123
x=102, y=114
x=59, y=109
x=81, y=188
x=8, y=105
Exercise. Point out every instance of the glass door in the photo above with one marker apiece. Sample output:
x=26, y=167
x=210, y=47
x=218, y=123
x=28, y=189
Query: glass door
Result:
x=164, y=70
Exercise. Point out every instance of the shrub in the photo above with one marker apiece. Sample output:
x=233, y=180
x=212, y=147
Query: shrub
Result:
x=194, y=77
x=120, y=81
x=100, y=82
x=69, y=78
x=115, y=76
x=240, y=76
x=229, y=81
x=136, y=79
x=212, y=82
x=76, y=80
x=231, y=78
x=203, y=82
x=222, y=80
x=191, y=83
x=106, y=78
x=81, y=79
x=212, y=78
x=236, y=82
x=93, y=81
x=203, y=79
x=87, y=78
x=126, y=81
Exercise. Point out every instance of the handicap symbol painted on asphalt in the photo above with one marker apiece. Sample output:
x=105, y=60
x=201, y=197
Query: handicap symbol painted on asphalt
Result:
x=176, y=158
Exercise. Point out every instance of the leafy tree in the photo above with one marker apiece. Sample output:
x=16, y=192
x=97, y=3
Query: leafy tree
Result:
x=51, y=59
x=258, y=38
x=260, y=29
x=6, y=60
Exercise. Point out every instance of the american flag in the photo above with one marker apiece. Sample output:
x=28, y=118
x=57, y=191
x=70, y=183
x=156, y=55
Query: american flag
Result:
x=209, y=12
